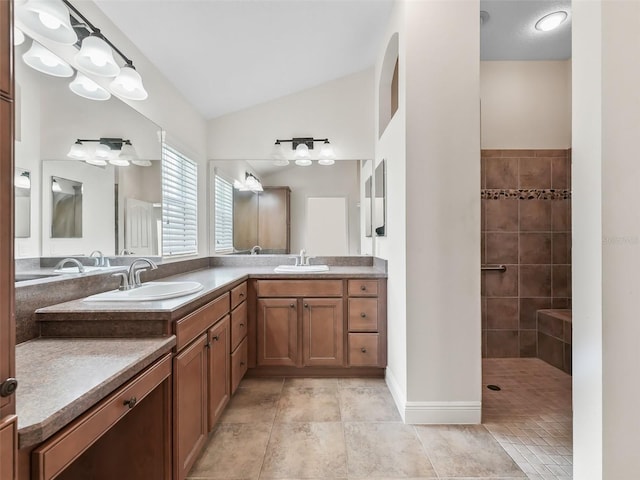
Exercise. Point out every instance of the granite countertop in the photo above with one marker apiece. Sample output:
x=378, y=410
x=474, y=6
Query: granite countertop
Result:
x=62, y=378
x=215, y=281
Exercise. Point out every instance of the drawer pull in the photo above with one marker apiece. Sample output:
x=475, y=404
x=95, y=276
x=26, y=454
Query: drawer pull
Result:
x=8, y=387
x=363, y=315
x=363, y=287
x=216, y=338
x=292, y=305
x=242, y=364
x=242, y=324
x=241, y=294
x=131, y=402
x=363, y=350
x=306, y=305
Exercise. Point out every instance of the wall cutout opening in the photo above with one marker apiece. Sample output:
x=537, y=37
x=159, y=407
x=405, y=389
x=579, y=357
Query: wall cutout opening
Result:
x=388, y=86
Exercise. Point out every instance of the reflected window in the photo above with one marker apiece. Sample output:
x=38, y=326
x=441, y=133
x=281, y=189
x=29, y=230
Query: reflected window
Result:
x=179, y=203
x=223, y=205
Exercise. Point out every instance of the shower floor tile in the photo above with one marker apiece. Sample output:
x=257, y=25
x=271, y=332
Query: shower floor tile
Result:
x=531, y=415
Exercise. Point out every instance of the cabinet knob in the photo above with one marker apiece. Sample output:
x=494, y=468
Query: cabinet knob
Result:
x=363, y=315
x=291, y=305
x=131, y=402
x=363, y=350
x=8, y=387
x=242, y=324
x=242, y=364
x=306, y=305
x=241, y=294
x=363, y=287
x=216, y=338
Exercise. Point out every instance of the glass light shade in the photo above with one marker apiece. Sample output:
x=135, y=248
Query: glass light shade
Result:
x=277, y=152
x=551, y=21
x=326, y=161
x=45, y=61
x=96, y=161
x=49, y=18
x=103, y=152
x=327, y=153
x=128, y=84
x=119, y=162
x=87, y=88
x=95, y=56
x=141, y=163
x=302, y=151
x=128, y=152
x=281, y=163
x=18, y=36
x=78, y=151
x=303, y=162
x=21, y=181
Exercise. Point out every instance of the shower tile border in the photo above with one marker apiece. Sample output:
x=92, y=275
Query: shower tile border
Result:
x=525, y=194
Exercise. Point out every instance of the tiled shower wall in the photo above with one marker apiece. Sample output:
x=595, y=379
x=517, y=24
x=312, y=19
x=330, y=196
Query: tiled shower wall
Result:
x=526, y=226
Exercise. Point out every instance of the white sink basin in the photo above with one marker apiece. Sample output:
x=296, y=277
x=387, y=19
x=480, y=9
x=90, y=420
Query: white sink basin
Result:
x=301, y=268
x=148, y=291
x=88, y=269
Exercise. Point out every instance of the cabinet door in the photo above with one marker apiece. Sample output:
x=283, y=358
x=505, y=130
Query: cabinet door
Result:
x=277, y=331
x=190, y=405
x=322, y=330
x=238, y=365
x=219, y=369
x=8, y=447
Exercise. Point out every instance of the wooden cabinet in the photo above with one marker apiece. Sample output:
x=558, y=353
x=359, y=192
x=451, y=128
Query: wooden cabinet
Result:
x=8, y=443
x=322, y=332
x=219, y=369
x=367, y=323
x=274, y=231
x=277, y=331
x=239, y=364
x=239, y=329
x=190, y=405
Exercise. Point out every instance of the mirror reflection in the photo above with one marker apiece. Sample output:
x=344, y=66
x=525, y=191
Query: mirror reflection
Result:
x=66, y=208
x=380, y=207
x=120, y=205
x=22, y=192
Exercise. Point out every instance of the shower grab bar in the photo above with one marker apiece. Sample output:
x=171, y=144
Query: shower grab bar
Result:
x=497, y=268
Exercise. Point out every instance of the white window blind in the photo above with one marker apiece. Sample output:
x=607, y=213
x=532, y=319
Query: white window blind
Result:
x=224, y=215
x=179, y=203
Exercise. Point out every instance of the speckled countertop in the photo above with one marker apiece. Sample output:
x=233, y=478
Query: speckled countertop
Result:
x=62, y=378
x=215, y=281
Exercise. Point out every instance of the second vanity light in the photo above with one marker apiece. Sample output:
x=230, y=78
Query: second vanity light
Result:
x=116, y=151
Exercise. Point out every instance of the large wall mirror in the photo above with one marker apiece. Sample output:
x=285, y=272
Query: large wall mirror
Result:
x=115, y=208
x=284, y=218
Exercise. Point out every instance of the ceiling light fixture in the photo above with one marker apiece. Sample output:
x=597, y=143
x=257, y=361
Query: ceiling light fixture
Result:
x=302, y=147
x=44, y=61
x=551, y=21
x=116, y=151
x=48, y=18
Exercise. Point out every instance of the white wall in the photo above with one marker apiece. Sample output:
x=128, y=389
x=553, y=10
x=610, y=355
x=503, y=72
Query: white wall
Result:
x=340, y=110
x=526, y=104
x=432, y=146
x=606, y=285
x=338, y=180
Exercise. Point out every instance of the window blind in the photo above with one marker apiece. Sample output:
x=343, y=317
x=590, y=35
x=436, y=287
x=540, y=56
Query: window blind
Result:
x=179, y=203
x=223, y=199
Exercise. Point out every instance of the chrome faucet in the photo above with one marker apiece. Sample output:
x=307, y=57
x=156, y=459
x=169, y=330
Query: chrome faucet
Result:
x=100, y=259
x=256, y=250
x=303, y=259
x=63, y=262
x=124, y=251
x=135, y=270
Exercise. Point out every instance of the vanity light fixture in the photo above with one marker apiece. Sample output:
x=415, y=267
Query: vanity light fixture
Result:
x=302, y=154
x=251, y=183
x=116, y=151
x=45, y=61
x=49, y=18
x=87, y=88
x=95, y=56
x=551, y=21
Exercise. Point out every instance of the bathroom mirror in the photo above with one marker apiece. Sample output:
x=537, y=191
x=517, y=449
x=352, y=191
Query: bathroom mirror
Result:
x=121, y=206
x=22, y=192
x=380, y=192
x=367, y=206
x=66, y=208
x=341, y=180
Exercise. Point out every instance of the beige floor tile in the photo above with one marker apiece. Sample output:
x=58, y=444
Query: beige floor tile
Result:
x=235, y=451
x=268, y=385
x=362, y=382
x=305, y=450
x=385, y=449
x=291, y=382
x=308, y=405
x=251, y=406
x=466, y=450
x=367, y=405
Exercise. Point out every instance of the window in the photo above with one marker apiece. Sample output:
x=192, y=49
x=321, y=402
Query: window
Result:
x=224, y=215
x=179, y=203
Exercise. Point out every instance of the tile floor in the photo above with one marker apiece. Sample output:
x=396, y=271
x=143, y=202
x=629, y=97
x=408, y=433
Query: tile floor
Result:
x=531, y=416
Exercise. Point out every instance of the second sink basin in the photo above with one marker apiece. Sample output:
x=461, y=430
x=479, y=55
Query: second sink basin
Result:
x=147, y=292
x=301, y=268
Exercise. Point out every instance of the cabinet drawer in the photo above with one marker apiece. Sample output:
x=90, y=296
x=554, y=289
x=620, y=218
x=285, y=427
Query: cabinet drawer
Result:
x=299, y=288
x=238, y=365
x=188, y=328
x=363, y=314
x=363, y=349
x=238, y=325
x=363, y=288
x=62, y=449
x=238, y=294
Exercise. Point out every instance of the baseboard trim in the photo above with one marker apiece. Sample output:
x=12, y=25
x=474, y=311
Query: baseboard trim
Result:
x=396, y=392
x=443, y=412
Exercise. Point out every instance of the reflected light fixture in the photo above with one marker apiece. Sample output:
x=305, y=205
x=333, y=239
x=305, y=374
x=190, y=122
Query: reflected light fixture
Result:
x=22, y=180
x=48, y=18
x=95, y=56
x=87, y=88
x=251, y=183
x=116, y=151
x=551, y=21
x=18, y=37
x=302, y=147
x=45, y=61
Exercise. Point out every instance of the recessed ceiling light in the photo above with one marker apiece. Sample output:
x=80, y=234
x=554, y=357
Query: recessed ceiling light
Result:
x=551, y=21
